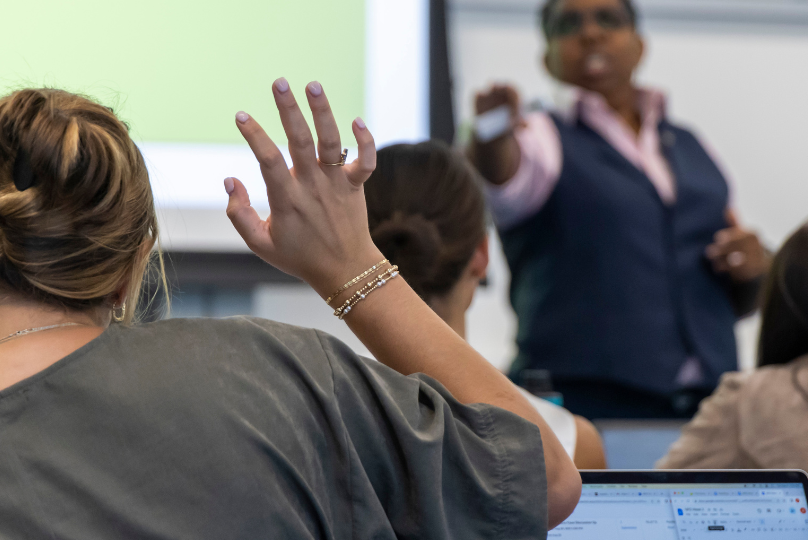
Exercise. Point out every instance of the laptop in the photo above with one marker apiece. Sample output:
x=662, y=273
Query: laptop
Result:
x=689, y=505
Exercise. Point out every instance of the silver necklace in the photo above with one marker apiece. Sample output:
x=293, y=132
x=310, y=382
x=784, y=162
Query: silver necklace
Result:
x=19, y=333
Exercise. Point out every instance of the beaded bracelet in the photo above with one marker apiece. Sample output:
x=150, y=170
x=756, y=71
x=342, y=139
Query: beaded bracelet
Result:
x=362, y=293
x=355, y=280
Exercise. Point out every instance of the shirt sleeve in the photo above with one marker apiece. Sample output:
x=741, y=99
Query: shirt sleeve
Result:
x=712, y=439
x=560, y=420
x=539, y=170
x=439, y=469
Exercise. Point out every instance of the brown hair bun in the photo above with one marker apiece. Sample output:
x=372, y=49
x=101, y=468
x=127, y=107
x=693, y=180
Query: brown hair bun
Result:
x=413, y=243
x=426, y=213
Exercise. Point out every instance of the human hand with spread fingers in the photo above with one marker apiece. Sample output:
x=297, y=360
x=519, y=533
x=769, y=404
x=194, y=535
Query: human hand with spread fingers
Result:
x=317, y=229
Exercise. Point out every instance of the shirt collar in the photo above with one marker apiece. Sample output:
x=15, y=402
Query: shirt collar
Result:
x=575, y=103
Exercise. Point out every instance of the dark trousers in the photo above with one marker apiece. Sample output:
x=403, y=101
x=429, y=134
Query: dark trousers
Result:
x=601, y=400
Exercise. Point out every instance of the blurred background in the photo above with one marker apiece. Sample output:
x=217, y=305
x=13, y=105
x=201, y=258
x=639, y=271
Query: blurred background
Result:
x=178, y=72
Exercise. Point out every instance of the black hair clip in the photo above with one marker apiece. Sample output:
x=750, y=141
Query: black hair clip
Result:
x=23, y=174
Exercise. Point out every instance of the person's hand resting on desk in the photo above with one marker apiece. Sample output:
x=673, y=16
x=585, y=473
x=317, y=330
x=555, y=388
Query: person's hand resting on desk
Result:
x=738, y=252
x=318, y=231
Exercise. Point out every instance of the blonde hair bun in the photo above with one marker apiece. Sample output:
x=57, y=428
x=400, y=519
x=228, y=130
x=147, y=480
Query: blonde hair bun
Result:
x=85, y=224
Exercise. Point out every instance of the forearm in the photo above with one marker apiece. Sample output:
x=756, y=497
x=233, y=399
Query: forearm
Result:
x=497, y=161
x=403, y=333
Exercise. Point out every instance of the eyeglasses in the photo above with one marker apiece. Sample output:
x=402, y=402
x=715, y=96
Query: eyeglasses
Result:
x=569, y=23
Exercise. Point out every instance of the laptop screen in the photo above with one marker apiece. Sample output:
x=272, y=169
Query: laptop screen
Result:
x=688, y=511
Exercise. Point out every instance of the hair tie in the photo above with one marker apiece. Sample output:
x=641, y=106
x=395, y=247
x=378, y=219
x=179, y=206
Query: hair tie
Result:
x=23, y=173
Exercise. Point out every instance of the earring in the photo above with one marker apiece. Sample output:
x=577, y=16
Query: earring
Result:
x=115, y=316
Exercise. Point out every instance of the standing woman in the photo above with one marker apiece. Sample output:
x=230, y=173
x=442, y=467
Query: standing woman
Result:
x=628, y=265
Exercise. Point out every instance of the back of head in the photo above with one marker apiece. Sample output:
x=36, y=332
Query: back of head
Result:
x=426, y=212
x=77, y=219
x=784, y=326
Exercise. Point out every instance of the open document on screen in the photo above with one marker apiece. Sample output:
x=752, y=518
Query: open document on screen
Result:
x=687, y=512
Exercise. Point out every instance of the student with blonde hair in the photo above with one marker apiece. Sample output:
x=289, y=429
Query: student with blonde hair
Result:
x=237, y=428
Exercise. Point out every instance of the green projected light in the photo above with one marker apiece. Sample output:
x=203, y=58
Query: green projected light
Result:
x=177, y=70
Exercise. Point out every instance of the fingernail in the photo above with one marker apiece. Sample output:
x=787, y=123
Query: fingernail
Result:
x=360, y=123
x=242, y=117
x=282, y=85
x=229, y=185
x=315, y=89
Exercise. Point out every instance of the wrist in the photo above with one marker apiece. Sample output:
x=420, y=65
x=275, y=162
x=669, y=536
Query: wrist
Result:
x=344, y=272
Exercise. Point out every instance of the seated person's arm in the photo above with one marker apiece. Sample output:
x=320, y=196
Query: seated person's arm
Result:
x=318, y=231
x=588, y=446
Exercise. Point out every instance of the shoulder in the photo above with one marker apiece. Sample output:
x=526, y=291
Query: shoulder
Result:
x=771, y=387
x=763, y=380
x=195, y=342
x=725, y=398
x=541, y=124
x=674, y=134
x=734, y=380
x=731, y=389
x=205, y=330
x=771, y=410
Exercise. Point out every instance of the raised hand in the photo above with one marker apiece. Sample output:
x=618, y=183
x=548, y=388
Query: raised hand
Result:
x=497, y=159
x=318, y=227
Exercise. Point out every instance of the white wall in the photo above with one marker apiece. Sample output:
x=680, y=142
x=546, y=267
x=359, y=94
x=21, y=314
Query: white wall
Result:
x=741, y=86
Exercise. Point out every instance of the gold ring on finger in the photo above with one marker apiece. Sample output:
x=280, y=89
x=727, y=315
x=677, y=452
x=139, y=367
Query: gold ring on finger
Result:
x=340, y=163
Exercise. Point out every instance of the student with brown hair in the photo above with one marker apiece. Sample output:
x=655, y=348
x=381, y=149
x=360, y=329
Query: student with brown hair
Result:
x=238, y=428
x=758, y=420
x=426, y=211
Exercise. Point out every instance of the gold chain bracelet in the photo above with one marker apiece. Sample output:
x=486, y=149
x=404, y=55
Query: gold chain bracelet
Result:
x=362, y=293
x=355, y=280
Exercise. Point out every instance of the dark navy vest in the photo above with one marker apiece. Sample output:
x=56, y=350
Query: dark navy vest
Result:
x=609, y=282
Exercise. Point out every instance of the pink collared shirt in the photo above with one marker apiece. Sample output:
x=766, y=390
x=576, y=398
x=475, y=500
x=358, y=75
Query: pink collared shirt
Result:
x=542, y=160
x=542, y=155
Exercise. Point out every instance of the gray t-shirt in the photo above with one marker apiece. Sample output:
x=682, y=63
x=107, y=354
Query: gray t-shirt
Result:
x=245, y=429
